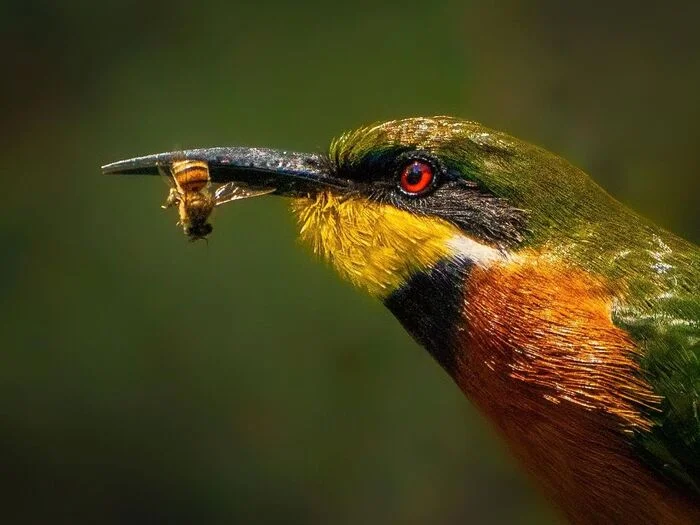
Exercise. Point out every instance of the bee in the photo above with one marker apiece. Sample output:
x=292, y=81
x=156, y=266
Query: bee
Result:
x=190, y=191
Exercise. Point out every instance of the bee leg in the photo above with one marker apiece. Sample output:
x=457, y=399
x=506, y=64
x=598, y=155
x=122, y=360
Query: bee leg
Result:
x=172, y=200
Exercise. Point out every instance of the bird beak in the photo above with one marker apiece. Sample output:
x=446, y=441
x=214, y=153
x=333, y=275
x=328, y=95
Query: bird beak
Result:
x=288, y=172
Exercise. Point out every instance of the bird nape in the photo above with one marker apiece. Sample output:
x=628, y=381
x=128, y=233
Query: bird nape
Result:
x=570, y=321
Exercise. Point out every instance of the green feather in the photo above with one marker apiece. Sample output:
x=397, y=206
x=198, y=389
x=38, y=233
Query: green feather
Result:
x=662, y=315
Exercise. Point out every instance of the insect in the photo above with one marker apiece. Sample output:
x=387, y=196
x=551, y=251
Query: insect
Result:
x=190, y=192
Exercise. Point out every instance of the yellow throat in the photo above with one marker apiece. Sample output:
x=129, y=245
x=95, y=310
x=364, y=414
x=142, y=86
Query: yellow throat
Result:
x=376, y=246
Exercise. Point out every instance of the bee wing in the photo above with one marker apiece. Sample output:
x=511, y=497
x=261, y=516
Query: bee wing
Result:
x=233, y=191
x=166, y=174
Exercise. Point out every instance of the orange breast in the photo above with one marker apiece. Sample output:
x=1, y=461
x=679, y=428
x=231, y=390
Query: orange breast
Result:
x=542, y=359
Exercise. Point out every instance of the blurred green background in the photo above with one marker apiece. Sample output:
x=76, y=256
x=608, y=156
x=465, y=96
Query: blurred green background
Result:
x=148, y=380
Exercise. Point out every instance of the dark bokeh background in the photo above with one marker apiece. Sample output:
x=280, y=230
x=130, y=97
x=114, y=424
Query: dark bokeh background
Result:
x=147, y=380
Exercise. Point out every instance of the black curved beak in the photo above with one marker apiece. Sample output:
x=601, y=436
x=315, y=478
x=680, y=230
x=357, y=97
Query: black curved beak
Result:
x=289, y=172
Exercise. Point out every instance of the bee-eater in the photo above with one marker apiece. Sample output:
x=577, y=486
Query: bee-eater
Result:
x=571, y=322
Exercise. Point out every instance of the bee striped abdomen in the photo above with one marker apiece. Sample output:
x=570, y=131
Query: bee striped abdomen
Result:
x=191, y=175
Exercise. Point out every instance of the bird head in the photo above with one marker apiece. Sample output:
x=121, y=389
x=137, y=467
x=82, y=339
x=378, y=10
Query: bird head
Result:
x=391, y=200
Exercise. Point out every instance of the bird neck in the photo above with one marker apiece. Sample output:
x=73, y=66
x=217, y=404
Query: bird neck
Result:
x=430, y=306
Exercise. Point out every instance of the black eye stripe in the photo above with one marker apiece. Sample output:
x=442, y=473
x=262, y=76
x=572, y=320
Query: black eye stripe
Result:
x=453, y=195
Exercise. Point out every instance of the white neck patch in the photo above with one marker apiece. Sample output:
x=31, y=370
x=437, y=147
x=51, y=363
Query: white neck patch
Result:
x=475, y=252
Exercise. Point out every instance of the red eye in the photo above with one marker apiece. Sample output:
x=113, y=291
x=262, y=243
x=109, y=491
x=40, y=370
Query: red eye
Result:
x=416, y=177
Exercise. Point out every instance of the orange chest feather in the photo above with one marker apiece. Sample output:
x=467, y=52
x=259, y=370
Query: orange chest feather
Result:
x=550, y=331
x=540, y=356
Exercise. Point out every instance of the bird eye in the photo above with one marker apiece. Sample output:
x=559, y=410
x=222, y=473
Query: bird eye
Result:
x=417, y=177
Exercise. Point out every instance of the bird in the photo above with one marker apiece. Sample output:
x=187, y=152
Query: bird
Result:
x=571, y=322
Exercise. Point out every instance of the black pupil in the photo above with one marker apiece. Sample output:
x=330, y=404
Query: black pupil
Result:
x=415, y=174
